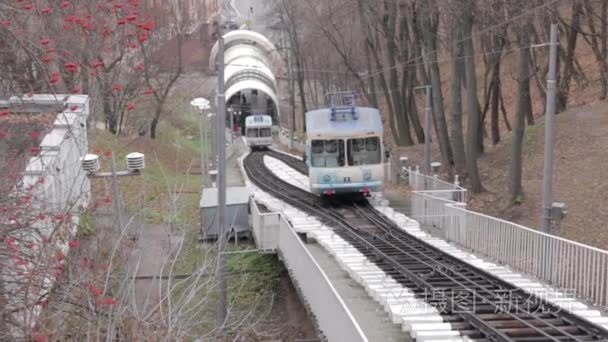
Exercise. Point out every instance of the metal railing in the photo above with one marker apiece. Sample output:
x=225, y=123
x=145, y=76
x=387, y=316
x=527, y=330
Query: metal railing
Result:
x=566, y=264
x=436, y=187
x=429, y=208
x=563, y=263
x=333, y=317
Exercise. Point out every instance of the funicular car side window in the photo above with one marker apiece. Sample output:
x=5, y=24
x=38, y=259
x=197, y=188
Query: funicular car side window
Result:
x=356, y=151
x=372, y=145
x=363, y=151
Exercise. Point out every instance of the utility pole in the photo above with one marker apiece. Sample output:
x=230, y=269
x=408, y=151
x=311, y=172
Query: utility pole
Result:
x=550, y=132
x=291, y=86
x=202, y=105
x=427, y=131
x=232, y=125
x=221, y=183
x=202, y=133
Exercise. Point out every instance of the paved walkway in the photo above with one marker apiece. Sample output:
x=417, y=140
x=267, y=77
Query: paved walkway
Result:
x=152, y=255
x=153, y=249
x=369, y=314
x=233, y=153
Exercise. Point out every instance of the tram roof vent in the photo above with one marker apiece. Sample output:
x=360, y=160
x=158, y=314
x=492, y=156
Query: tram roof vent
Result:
x=343, y=104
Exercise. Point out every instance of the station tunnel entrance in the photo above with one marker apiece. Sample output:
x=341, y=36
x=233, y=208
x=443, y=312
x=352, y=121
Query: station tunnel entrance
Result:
x=251, y=63
x=250, y=102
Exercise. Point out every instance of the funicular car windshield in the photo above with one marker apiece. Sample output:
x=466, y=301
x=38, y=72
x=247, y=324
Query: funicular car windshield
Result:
x=327, y=153
x=364, y=151
x=252, y=133
x=265, y=132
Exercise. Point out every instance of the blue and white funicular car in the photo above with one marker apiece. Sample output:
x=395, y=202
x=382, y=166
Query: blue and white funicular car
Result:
x=258, y=131
x=344, y=147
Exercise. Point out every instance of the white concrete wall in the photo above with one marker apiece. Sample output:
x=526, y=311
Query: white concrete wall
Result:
x=65, y=186
x=265, y=227
x=332, y=315
x=60, y=187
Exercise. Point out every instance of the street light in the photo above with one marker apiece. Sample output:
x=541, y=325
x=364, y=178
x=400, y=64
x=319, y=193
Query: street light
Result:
x=202, y=104
x=231, y=113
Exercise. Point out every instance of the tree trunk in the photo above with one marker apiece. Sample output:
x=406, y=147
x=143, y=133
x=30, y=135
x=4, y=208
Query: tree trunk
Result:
x=430, y=36
x=411, y=105
x=300, y=79
x=604, y=48
x=415, y=55
x=370, y=43
x=372, y=79
x=385, y=89
x=155, y=120
x=564, y=85
x=523, y=107
x=456, y=90
x=504, y=113
x=404, y=137
x=597, y=42
x=110, y=115
x=153, y=125
x=494, y=99
x=474, y=122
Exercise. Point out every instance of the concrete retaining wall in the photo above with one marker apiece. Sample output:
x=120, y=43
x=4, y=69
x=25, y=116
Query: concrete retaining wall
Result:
x=332, y=316
x=265, y=227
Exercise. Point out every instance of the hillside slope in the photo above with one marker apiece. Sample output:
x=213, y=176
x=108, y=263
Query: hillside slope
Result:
x=580, y=175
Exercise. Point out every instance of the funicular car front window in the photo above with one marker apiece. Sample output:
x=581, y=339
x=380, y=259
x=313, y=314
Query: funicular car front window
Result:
x=364, y=151
x=252, y=132
x=265, y=132
x=327, y=153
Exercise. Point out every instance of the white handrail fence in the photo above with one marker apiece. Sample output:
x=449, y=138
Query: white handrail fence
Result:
x=560, y=262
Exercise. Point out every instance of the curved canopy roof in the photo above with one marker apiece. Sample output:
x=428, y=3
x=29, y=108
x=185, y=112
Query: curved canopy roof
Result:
x=247, y=37
x=248, y=65
x=240, y=50
x=251, y=61
x=253, y=84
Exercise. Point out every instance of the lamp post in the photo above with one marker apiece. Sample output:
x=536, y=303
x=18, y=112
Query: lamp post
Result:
x=213, y=142
x=231, y=112
x=202, y=104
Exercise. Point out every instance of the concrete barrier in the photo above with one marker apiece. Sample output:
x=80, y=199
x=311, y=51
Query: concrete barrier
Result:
x=333, y=318
x=265, y=227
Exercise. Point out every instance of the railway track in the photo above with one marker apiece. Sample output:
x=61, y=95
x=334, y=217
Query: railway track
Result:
x=294, y=163
x=475, y=303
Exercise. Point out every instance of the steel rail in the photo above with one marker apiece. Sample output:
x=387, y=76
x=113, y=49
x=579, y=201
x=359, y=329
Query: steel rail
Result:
x=263, y=178
x=474, y=290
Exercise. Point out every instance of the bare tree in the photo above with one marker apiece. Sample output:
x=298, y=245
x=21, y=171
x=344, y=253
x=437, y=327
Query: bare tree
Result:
x=430, y=23
x=524, y=106
x=474, y=120
x=457, y=137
